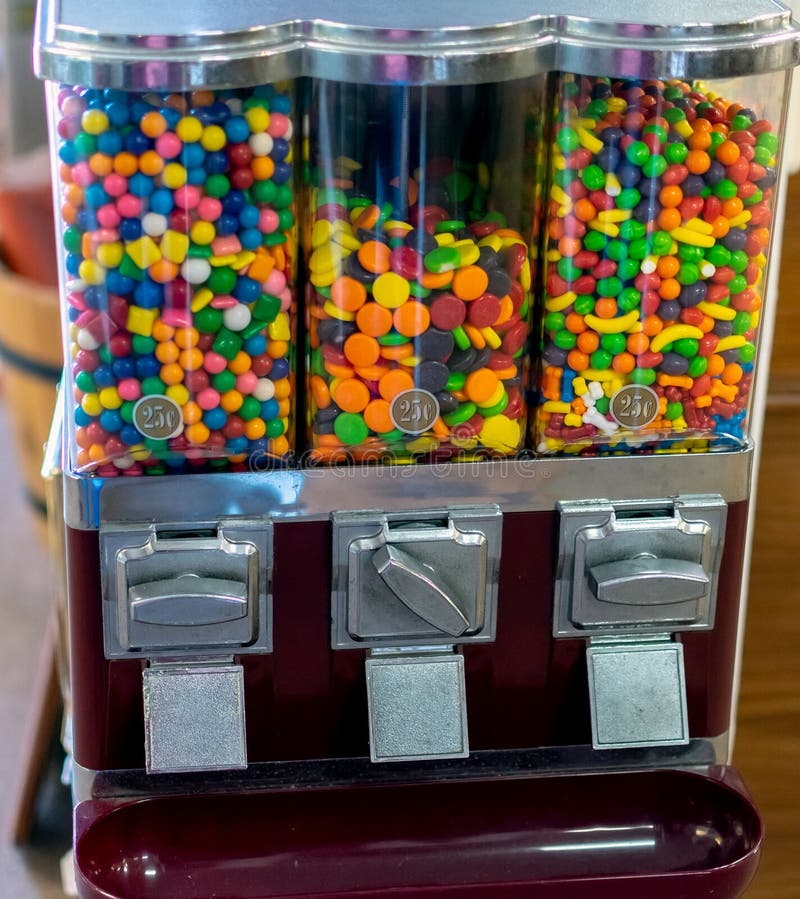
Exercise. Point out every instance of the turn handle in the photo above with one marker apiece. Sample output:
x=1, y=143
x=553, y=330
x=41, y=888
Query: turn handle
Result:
x=188, y=601
x=647, y=580
x=413, y=585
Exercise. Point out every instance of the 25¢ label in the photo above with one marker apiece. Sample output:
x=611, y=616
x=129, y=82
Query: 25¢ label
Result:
x=414, y=411
x=634, y=406
x=158, y=417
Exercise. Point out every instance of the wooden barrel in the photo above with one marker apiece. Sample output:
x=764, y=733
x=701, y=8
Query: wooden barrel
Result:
x=31, y=359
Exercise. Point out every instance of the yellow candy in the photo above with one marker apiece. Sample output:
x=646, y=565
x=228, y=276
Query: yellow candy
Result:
x=110, y=254
x=174, y=246
x=714, y=310
x=493, y=241
x=572, y=420
x=556, y=407
x=444, y=239
x=683, y=128
x=739, y=221
x=560, y=195
x=219, y=261
x=468, y=251
x=598, y=374
x=243, y=259
x=730, y=343
x=614, y=215
x=321, y=233
x=91, y=272
x=494, y=399
x=588, y=140
x=213, y=138
x=110, y=398
x=257, y=118
x=91, y=405
x=326, y=257
x=675, y=332
x=693, y=238
x=178, y=393
x=140, y=321
x=189, y=129
x=174, y=175
x=279, y=328
x=335, y=312
x=346, y=239
x=492, y=339
x=201, y=299
x=696, y=224
x=202, y=233
x=557, y=304
x=613, y=325
x=391, y=290
x=500, y=433
x=422, y=444
x=525, y=278
x=607, y=228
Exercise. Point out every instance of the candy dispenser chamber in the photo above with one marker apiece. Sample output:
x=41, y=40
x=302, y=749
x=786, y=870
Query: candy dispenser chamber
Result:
x=178, y=262
x=495, y=578
x=662, y=197
x=421, y=249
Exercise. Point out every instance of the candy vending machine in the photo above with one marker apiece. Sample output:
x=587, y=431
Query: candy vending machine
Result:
x=408, y=433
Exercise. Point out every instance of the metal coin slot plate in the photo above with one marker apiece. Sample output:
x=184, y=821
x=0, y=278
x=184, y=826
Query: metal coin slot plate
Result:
x=194, y=717
x=637, y=693
x=417, y=706
x=642, y=566
x=415, y=579
x=176, y=591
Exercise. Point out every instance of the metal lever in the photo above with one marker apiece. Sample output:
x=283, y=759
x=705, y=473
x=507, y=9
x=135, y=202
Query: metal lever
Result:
x=414, y=587
x=648, y=581
x=188, y=601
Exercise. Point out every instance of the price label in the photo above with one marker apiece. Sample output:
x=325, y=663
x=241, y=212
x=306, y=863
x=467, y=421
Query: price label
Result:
x=634, y=406
x=158, y=417
x=414, y=411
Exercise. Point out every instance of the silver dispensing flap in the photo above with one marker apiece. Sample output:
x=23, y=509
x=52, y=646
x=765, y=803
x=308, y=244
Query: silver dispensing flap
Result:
x=183, y=46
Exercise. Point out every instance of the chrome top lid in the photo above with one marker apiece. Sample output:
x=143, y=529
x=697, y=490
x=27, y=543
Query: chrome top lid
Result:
x=154, y=44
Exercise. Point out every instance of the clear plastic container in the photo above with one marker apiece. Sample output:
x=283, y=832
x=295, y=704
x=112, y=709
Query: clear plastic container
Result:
x=420, y=247
x=178, y=265
x=661, y=200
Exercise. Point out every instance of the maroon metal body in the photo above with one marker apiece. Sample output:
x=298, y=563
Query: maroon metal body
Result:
x=657, y=834
x=307, y=701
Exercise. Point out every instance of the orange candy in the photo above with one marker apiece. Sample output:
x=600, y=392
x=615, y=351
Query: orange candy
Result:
x=577, y=360
x=588, y=342
x=670, y=196
x=605, y=307
x=668, y=219
x=470, y=282
x=374, y=256
x=377, y=417
x=638, y=343
x=411, y=319
x=374, y=320
x=320, y=392
x=361, y=349
x=481, y=385
x=697, y=161
x=728, y=152
x=367, y=218
x=394, y=382
x=351, y=395
x=348, y=294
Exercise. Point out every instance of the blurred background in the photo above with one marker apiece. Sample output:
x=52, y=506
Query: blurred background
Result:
x=34, y=804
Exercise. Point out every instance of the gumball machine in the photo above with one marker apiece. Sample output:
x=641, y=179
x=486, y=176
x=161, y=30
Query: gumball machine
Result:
x=408, y=430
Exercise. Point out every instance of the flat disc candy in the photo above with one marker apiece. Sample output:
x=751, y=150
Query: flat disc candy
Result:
x=448, y=312
x=435, y=344
x=484, y=311
x=431, y=376
x=442, y=259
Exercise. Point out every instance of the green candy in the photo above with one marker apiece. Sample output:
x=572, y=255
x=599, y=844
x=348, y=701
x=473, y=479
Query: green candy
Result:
x=617, y=250
x=601, y=359
x=638, y=152
x=739, y=261
x=442, y=259
x=224, y=381
x=458, y=416
x=688, y=273
x=628, y=198
x=725, y=189
x=393, y=339
x=593, y=177
x=654, y=167
x=584, y=304
x=275, y=428
x=645, y=376
x=567, y=139
x=153, y=386
x=674, y=410
x=629, y=299
x=222, y=280
x=350, y=428
x=628, y=269
x=697, y=366
x=747, y=353
x=267, y=308
x=458, y=186
x=718, y=255
x=449, y=226
x=143, y=346
x=554, y=321
x=208, y=320
x=250, y=409
x=661, y=243
x=227, y=343
x=595, y=241
x=456, y=381
x=85, y=381
x=496, y=409
x=609, y=287
x=565, y=340
x=217, y=186
x=686, y=346
x=630, y=229
x=675, y=153
x=742, y=323
x=72, y=239
x=613, y=343
x=264, y=191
